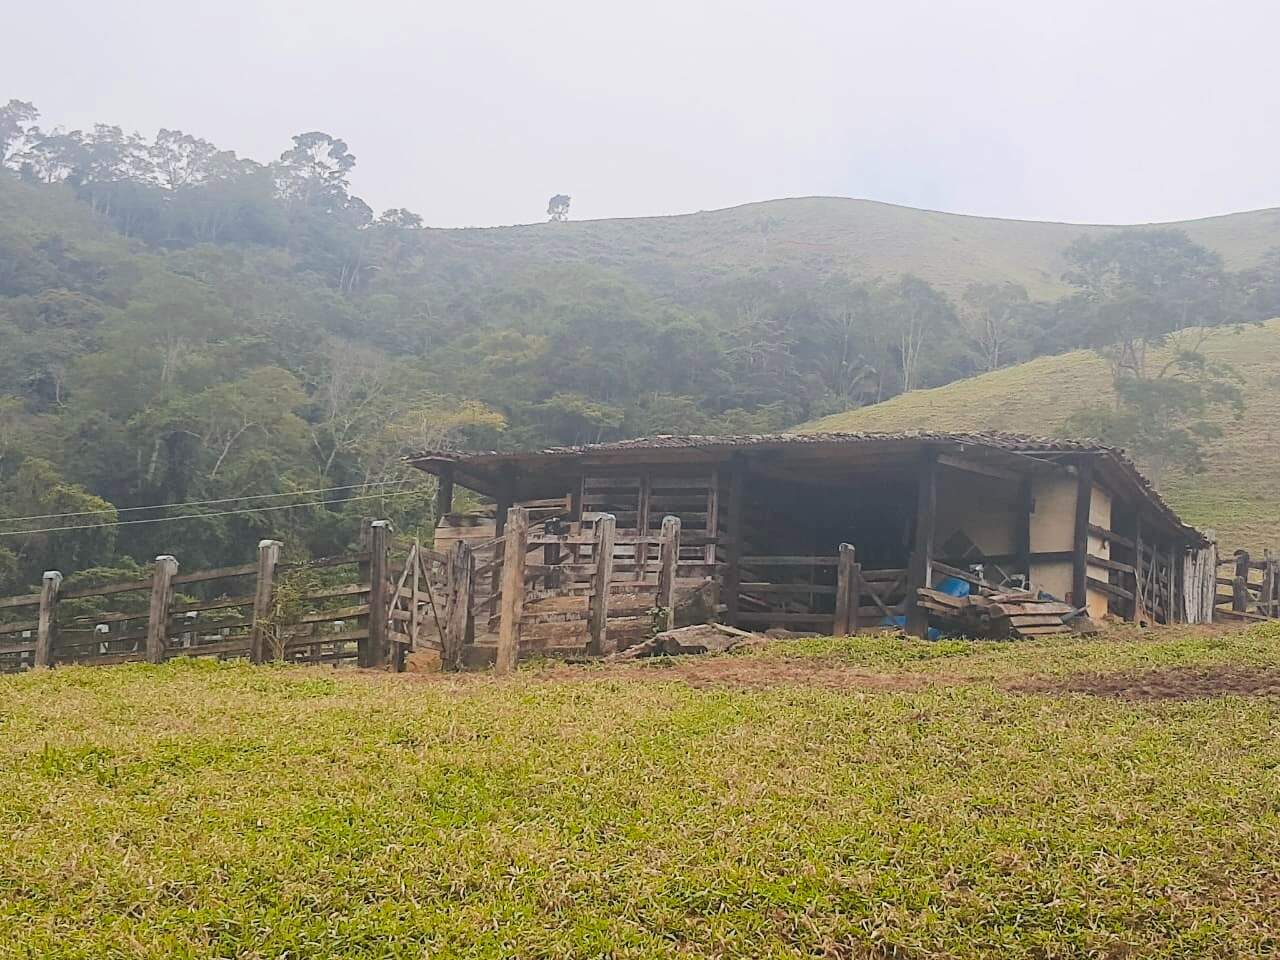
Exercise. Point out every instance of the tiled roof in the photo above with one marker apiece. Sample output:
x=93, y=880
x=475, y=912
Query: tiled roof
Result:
x=1010, y=442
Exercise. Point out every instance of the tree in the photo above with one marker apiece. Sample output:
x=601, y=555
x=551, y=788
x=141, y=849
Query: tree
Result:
x=181, y=160
x=923, y=314
x=14, y=118
x=1164, y=419
x=992, y=315
x=558, y=208
x=315, y=169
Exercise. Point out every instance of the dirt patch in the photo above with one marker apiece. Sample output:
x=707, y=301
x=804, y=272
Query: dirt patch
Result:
x=1170, y=683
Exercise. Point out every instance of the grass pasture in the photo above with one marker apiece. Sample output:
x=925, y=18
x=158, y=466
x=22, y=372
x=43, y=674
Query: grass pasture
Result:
x=817, y=798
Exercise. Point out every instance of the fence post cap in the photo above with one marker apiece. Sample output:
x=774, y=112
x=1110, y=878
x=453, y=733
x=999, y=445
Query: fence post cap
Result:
x=264, y=544
x=380, y=523
x=54, y=575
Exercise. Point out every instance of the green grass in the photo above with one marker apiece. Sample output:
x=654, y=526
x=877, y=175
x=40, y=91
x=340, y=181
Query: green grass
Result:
x=197, y=810
x=1238, y=495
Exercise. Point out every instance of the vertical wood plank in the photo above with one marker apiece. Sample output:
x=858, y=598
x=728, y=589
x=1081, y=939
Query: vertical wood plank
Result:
x=415, y=593
x=1022, y=526
x=598, y=621
x=47, y=625
x=511, y=607
x=444, y=492
x=855, y=598
x=732, y=578
x=166, y=567
x=1240, y=585
x=1080, y=539
x=461, y=594
x=1140, y=578
x=374, y=650
x=668, y=558
x=920, y=570
x=844, y=591
x=264, y=586
x=642, y=526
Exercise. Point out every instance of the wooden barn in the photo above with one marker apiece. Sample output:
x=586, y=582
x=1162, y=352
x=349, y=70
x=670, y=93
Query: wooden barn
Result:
x=766, y=521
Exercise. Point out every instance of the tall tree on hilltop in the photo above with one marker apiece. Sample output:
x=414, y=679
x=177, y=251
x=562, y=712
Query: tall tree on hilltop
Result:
x=558, y=208
x=15, y=119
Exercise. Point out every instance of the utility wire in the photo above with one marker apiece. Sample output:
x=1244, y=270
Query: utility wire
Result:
x=201, y=503
x=201, y=516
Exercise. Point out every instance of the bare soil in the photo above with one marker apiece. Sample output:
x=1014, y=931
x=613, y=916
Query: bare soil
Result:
x=1170, y=683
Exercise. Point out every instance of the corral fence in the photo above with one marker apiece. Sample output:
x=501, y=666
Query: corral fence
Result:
x=550, y=588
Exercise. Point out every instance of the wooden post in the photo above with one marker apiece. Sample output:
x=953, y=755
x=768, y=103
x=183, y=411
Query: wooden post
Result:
x=668, y=559
x=1140, y=578
x=1240, y=585
x=444, y=492
x=516, y=530
x=47, y=626
x=504, y=500
x=1022, y=526
x=845, y=600
x=1267, y=597
x=1080, y=540
x=732, y=539
x=461, y=587
x=268, y=557
x=598, y=622
x=374, y=649
x=920, y=572
x=158, y=612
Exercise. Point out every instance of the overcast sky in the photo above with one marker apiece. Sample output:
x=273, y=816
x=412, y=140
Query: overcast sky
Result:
x=474, y=113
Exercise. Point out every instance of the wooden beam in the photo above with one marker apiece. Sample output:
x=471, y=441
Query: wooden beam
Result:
x=268, y=557
x=668, y=558
x=1022, y=526
x=458, y=625
x=444, y=491
x=598, y=610
x=982, y=469
x=846, y=601
x=1080, y=540
x=375, y=649
x=731, y=537
x=47, y=625
x=922, y=552
x=512, y=600
x=158, y=611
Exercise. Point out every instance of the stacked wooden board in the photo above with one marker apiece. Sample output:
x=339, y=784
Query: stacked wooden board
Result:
x=999, y=615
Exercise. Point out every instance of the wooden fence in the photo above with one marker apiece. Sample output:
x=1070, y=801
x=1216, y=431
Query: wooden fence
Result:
x=323, y=610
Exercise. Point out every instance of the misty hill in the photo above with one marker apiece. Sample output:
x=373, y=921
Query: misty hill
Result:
x=180, y=324
x=1238, y=494
x=828, y=236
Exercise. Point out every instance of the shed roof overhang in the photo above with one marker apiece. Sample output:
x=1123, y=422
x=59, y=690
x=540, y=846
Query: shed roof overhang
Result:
x=807, y=458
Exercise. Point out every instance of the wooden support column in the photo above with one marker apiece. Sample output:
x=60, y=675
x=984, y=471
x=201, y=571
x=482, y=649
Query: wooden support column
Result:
x=600, y=643
x=1140, y=578
x=846, y=601
x=458, y=627
x=503, y=502
x=444, y=492
x=1022, y=525
x=166, y=568
x=511, y=605
x=919, y=571
x=1080, y=540
x=47, y=625
x=1240, y=583
x=268, y=557
x=668, y=560
x=732, y=538
x=374, y=651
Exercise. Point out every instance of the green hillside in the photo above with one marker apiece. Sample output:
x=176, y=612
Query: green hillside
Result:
x=832, y=235
x=1238, y=495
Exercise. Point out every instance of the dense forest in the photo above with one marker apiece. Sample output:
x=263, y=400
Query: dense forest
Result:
x=180, y=324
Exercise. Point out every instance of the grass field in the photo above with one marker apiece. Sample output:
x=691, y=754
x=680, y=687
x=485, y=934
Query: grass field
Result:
x=819, y=798
x=1238, y=495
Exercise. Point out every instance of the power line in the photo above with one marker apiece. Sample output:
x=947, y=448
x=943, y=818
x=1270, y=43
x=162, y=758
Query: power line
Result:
x=201, y=503
x=201, y=516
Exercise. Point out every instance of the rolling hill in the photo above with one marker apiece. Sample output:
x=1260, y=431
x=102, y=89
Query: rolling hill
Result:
x=831, y=235
x=1238, y=495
